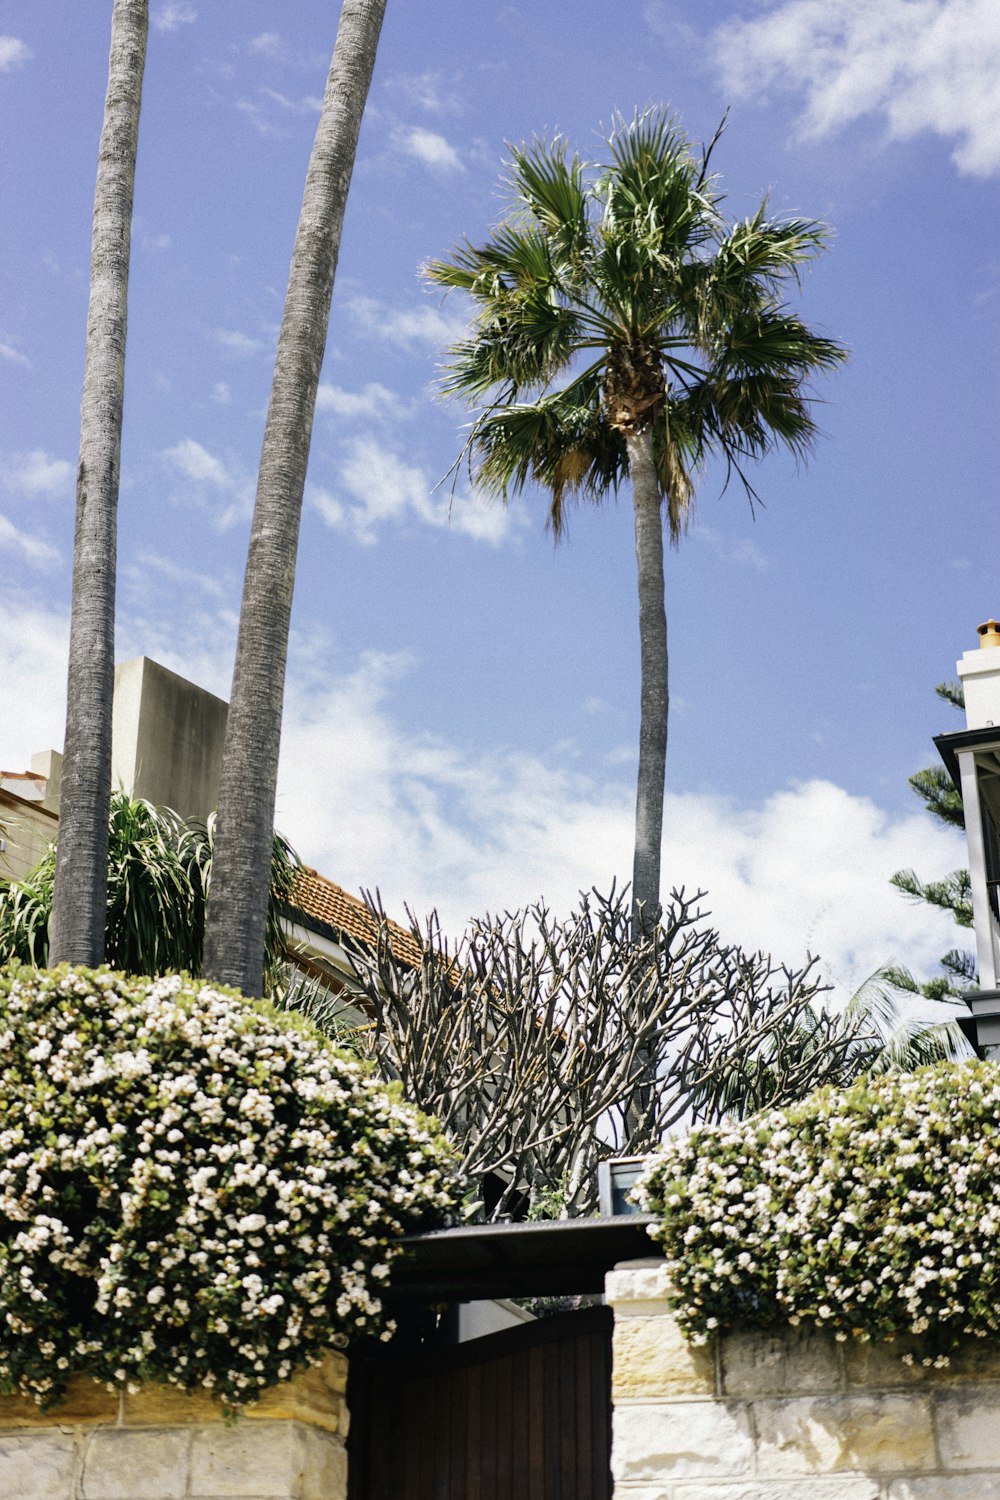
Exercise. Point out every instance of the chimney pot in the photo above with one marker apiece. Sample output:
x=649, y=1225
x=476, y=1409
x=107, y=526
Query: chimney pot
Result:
x=989, y=634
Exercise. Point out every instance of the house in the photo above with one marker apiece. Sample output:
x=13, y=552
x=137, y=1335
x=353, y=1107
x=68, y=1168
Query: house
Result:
x=167, y=740
x=29, y=813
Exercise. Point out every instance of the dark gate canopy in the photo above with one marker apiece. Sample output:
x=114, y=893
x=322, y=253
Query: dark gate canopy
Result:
x=552, y=1258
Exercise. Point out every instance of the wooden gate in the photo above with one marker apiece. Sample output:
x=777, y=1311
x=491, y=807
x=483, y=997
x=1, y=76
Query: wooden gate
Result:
x=524, y=1413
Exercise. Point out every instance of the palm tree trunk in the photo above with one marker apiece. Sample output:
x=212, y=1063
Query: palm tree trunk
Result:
x=653, y=693
x=238, y=897
x=79, y=909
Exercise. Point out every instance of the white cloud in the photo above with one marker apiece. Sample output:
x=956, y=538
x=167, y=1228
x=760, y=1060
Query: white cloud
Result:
x=378, y=488
x=738, y=550
x=234, y=342
x=193, y=461
x=187, y=581
x=427, y=326
x=260, y=122
x=268, y=44
x=13, y=53
x=273, y=47
x=375, y=403
x=172, y=16
x=38, y=473
x=221, y=393
x=328, y=506
x=309, y=104
x=920, y=65
x=260, y=116
x=210, y=479
x=31, y=548
x=432, y=821
x=14, y=356
x=428, y=91
x=808, y=869
x=662, y=18
x=32, y=680
x=428, y=147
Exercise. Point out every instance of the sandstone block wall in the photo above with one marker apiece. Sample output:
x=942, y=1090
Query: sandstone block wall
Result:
x=792, y=1415
x=163, y=1445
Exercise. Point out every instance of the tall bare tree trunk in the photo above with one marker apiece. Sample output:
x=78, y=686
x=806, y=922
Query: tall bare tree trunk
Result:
x=654, y=697
x=237, y=906
x=79, y=909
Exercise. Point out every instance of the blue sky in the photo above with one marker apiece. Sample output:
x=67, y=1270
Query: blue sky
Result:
x=463, y=697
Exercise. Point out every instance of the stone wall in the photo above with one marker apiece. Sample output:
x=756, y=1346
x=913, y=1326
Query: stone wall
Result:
x=163, y=1445
x=792, y=1415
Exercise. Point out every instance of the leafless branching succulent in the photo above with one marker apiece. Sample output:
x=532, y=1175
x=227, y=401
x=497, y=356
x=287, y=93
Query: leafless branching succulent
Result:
x=528, y=1039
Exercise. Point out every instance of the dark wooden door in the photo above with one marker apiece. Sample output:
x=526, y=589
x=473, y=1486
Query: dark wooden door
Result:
x=525, y=1413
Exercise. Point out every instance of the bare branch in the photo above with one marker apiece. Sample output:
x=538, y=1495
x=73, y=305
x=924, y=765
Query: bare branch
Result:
x=526, y=1041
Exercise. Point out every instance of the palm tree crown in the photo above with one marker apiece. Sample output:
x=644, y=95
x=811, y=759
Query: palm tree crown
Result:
x=625, y=330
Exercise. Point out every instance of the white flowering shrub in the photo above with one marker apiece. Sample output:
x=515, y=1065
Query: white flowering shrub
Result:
x=193, y=1189
x=873, y=1211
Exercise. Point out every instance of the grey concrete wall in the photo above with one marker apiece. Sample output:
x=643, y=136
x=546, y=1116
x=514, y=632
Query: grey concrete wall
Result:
x=167, y=738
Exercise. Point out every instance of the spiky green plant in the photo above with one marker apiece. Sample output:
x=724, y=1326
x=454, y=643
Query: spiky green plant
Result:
x=159, y=872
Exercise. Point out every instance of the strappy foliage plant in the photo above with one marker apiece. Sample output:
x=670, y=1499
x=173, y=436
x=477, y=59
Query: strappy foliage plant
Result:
x=159, y=873
x=624, y=331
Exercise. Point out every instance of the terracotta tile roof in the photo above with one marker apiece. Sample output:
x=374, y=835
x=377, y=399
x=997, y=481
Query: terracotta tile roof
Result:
x=324, y=902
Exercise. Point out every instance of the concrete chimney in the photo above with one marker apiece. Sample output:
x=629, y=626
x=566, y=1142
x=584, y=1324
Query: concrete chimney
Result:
x=979, y=674
x=167, y=738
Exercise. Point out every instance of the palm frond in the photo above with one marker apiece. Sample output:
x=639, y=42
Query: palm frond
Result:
x=770, y=338
x=518, y=256
x=563, y=444
x=552, y=190
x=526, y=328
x=907, y=1039
x=961, y=966
x=299, y=993
x=520, y=344
x=765, y=250
x=653, y=193
x=631, y=260
x=677, y=456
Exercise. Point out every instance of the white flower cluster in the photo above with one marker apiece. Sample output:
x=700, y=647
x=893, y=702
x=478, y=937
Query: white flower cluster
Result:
x=873, y=1211
x=192, y=1188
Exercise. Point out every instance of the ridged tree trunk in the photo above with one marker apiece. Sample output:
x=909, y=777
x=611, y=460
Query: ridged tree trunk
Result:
x=79, y=908
x=238, y=896
x=646, y=498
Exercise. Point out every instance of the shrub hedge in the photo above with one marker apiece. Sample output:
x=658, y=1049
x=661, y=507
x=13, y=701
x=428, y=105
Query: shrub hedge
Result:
x=193, y=1189
x=873, y=1211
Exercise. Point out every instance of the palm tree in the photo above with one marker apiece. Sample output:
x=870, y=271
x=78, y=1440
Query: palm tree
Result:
x=81, y=876
x=624, y=331
x=234, y=937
